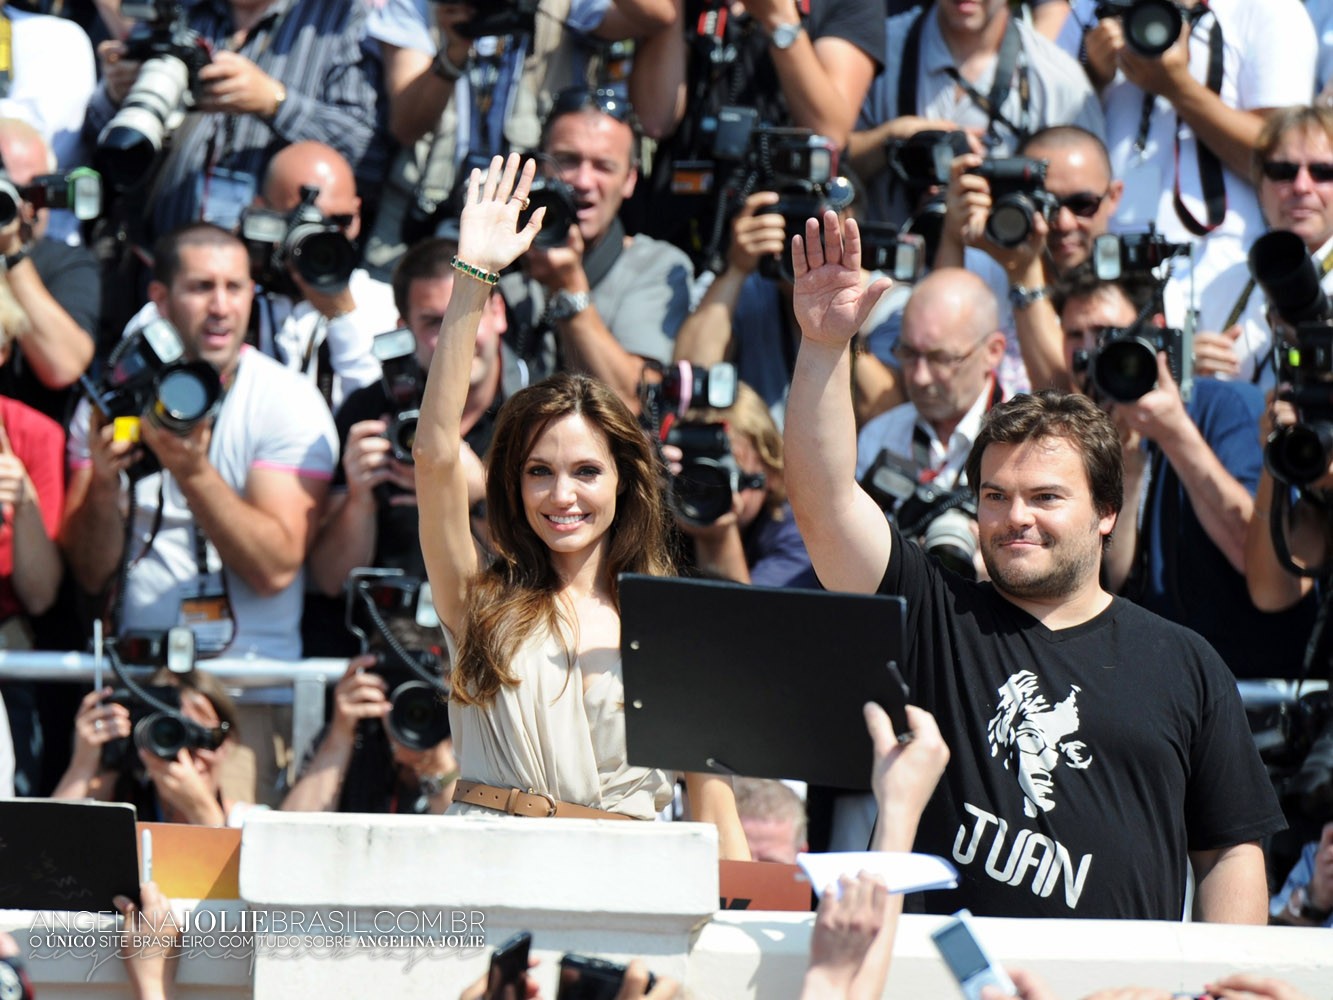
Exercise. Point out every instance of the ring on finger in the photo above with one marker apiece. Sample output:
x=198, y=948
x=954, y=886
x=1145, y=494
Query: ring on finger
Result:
x=523, y=203
x=97, y=725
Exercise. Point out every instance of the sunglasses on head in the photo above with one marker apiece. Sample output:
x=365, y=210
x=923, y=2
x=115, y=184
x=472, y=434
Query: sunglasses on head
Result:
x=608, y=102
x=1083, y=204
x=1285, y=171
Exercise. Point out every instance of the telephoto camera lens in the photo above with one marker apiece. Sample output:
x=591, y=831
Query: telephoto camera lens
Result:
x=322, y=256
x=950, y=539
x=10, y=200
x=161, y=735
x=1283, y=268
x=402, y=434
x=419, y=718
x=1125, y=369
x=701, y=491
x=1300, y=453
x=132, y=139
x=1152, y=26
x=185, y=394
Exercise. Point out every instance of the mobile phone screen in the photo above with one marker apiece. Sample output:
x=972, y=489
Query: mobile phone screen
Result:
x=960, y=951
x=509, y=964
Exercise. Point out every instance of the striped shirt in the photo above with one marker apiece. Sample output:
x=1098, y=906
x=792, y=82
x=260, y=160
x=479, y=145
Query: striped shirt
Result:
x=313, y=47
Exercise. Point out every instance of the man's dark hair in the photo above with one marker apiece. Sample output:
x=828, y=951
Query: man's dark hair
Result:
x=425, y=261
x=1082, y=282
x=1052, y=414
x=167, y=250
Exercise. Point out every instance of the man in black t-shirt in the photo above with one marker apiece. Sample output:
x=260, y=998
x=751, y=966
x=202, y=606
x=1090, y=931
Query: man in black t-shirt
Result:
x=372, y=519
x=1096, y=747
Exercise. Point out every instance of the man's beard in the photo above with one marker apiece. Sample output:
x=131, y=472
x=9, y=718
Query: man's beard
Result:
x=1067, y=571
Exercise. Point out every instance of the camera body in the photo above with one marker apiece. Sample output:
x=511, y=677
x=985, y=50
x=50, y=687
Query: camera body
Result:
x=1133, y=255
x=920, y=164
x=1150, y=26
x=1123, y=365
x=557, y=198
x=305, y=238
x=162, y=734
x=902, y=256
x=709, y=477
x=147, y=377
x=393, y=616
x=500, y=17
x=1018, y=194
x=404, y=383
x=172, y=54
x=1301, y=453
x=79, y=190
x=941, y=519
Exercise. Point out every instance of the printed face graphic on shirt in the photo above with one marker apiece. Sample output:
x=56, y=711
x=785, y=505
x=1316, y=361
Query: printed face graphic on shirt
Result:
x=1034, y=736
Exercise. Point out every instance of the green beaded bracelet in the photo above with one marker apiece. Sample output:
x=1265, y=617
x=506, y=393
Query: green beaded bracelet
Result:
x=472, y=271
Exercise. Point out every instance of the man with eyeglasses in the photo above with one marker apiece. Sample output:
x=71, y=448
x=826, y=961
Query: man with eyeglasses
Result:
x=600, y=301
x=949, y=350
x=1192, y=467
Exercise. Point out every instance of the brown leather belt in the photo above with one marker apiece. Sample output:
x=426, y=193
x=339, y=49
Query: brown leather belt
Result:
x=515, y=802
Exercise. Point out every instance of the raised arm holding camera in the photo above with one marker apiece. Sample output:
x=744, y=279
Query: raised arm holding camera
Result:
x=1063, y=663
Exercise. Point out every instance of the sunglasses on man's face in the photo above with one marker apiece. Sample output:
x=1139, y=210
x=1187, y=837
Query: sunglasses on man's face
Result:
x=1083, y=204
x=1285, y=171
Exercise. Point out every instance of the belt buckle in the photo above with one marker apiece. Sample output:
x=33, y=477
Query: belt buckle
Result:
x=549, y=798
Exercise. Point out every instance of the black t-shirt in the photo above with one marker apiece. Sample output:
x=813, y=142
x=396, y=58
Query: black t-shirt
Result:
x=70, y=274
x=1085, y=762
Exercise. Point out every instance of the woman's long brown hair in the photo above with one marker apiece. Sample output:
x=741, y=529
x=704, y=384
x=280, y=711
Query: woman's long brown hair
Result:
x=514, y=597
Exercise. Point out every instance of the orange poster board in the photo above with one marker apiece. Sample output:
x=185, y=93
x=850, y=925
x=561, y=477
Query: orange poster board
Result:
x=763, y=885
x=194, y=862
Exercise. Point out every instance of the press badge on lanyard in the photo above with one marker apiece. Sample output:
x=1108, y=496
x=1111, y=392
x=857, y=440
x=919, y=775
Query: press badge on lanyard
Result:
x=223, y=194
x=207, y=611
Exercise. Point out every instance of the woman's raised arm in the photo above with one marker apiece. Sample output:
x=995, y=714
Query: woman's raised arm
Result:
x=489, y=241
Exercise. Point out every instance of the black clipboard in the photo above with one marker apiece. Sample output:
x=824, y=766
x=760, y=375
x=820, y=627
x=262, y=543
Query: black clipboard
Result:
x=764, y=682
x=66, y=855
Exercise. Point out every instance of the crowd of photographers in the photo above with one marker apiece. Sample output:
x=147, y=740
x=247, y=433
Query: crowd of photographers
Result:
x=224, y=272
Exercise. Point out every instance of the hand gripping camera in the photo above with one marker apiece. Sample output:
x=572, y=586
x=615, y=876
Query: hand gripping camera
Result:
x=709, y=477
x=1302, y=452
x=306, y=239
x=147, y=377
x=1018, y=195
x=172, y=55
x=404, y=382
x=378, y=601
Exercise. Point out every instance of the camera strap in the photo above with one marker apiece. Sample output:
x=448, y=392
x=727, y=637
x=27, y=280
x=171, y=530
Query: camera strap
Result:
x=1210, y=166
x=6, y=53
x=1010, y=58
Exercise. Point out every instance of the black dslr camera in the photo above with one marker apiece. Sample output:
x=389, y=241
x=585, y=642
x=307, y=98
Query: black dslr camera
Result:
x=147, y=377
x=500, y=17
x=79, y=190
x=305, y=238
x=389, y=613
x=1134, y=255
x=404, y=382
x=1302, y=452
x=1123, y=365
x=800, y=166
x=902, y=256
x=920, y=164
x=172, y=55
x=158, y=726
x=941, y=519
x=1151, y=26
x=562, y=211
x=709, y=475
x=1018, y=195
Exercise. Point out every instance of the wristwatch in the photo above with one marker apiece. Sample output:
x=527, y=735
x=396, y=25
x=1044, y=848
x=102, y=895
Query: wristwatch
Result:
x=1021, y=297
x=784, y=35
x=13, y=260
x=1305, y=909
x=566, y=305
